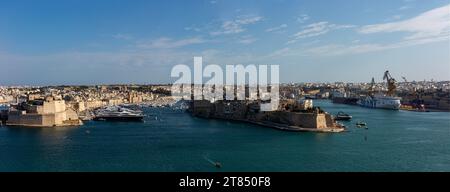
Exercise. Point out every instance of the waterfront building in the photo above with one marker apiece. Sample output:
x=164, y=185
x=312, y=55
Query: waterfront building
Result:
x=43, y=113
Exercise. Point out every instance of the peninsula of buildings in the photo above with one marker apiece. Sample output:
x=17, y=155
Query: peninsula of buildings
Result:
x=291, y=115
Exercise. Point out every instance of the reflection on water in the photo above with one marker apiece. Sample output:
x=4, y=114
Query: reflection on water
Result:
x=56, y=135
x=321, y=136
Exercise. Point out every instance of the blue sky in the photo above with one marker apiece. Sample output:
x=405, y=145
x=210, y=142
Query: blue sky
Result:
x=112, y=41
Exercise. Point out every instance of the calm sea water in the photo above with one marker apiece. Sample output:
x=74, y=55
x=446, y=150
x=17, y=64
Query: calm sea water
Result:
x=395, y=141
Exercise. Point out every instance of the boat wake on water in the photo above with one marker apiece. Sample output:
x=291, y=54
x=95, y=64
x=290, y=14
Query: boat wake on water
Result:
x=214, y=163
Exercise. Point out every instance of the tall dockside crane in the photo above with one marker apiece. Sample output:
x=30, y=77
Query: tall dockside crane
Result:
x=390, y=83
x=407, y=85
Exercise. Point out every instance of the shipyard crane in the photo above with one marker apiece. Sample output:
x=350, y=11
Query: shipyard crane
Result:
x=407, y=85
x=404, y=79
x=390, y=83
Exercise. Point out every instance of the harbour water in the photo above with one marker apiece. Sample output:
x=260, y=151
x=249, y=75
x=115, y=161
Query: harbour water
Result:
x=175, y=141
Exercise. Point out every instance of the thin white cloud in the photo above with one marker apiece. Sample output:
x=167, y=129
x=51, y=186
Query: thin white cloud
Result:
x=248, y=39
x=303, y=18
x=244, y=20
x=237, y=25
x=405, y=7
x=354, y=48
x=280, y=52
x=291, y=41
x=277, y=28
x=431, y=24
x=192, y=28
x=122, y=36
x=319, y=28
x=337, y=49
x=312, y=30
x=229, y=27
x=316, y=29
x=167, y=43
x=394, y=17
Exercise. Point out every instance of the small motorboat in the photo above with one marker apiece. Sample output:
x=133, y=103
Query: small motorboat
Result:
x=215, y=163
x=340, y=124
x=343, y=116
x=361, y=124
x=218, y=164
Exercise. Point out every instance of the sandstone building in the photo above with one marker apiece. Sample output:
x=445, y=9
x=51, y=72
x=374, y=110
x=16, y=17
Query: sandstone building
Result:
x=43, y=113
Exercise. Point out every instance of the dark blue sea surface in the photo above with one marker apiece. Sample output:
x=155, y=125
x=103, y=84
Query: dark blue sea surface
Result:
x=171, y=140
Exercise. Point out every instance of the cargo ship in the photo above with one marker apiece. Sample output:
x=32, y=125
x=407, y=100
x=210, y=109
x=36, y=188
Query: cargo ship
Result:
x=117, y=113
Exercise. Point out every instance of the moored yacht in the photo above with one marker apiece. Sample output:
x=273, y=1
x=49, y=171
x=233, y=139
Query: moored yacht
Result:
x=117, y=113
